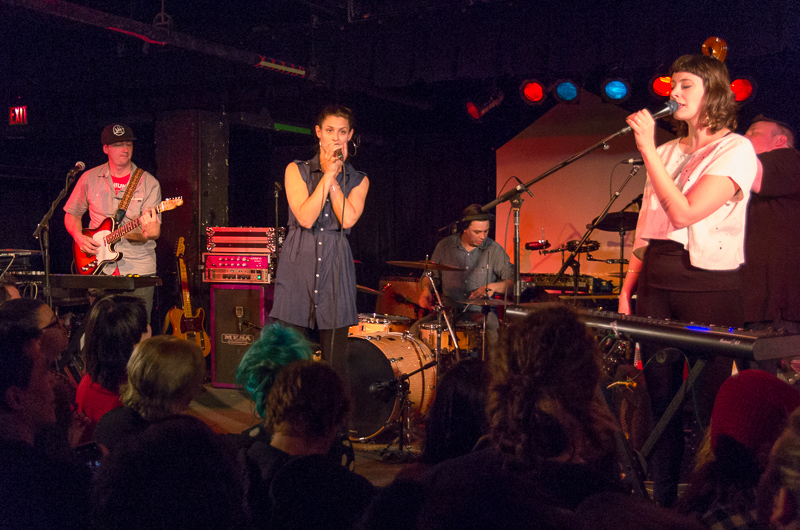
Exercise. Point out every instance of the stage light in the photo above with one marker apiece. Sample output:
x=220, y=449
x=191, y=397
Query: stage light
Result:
x=661, y=86
x=566, y=91
x=532, y=92
x=479, y=106
x=742, y=89
x=615, y=90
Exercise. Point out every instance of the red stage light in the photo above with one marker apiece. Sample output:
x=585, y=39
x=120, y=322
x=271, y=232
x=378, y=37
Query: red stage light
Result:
x=531, y=92
x=742, y=89
x=662, y=86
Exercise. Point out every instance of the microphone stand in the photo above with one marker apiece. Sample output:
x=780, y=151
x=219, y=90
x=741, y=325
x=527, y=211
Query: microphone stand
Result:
x=514, y=196
x=571, y=261
x=42, y=233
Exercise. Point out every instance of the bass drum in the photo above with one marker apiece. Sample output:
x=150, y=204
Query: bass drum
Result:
x=383, y=357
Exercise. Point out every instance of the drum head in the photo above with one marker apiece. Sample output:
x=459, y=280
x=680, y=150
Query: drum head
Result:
x=367, y=364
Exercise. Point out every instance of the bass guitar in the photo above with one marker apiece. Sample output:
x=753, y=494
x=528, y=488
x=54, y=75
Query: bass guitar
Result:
x=106, y=236
x=184, y=324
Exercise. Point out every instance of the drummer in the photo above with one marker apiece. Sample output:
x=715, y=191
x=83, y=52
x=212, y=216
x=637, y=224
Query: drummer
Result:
x=487, y=271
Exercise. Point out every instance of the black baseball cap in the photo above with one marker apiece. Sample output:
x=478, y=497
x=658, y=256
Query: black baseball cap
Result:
x=117, y=132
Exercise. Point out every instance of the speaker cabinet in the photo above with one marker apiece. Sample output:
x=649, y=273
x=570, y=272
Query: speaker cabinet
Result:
x=238, y=311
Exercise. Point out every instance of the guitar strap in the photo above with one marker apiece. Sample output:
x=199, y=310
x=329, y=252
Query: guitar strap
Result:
x=128, y=195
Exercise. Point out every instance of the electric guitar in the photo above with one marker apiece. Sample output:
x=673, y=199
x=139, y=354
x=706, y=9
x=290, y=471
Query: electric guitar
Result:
x=184, y=324
x=106, y=236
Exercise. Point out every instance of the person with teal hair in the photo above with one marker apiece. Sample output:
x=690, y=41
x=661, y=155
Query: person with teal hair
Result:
x=275, y=348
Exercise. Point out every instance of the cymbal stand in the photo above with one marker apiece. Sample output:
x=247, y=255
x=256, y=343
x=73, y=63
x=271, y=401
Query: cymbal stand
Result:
x=591, y=228
x=403, y=451
x=441, y=312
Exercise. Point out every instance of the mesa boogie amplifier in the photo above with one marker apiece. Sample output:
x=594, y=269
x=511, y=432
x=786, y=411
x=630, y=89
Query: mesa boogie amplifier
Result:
x=244, y=240
x=239, y=268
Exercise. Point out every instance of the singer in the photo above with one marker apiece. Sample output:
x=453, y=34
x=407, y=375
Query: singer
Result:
x=99, y=191
x=315, y=285
x=690, y=237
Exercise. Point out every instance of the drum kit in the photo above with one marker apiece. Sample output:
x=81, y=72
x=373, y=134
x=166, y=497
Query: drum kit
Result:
x=393, y=372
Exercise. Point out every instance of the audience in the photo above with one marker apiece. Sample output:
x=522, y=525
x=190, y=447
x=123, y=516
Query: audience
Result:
x=779, y=489
x=175, y=474
x=36, y=491
x=292, y=482
x=114, y=326
x=749, y=414
x=164, y=374
x=551, y=438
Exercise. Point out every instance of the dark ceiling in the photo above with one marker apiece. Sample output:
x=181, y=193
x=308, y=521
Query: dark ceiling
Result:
x=406, y=67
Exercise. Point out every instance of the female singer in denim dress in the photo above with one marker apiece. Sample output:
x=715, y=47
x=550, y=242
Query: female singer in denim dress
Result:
x=315, y=286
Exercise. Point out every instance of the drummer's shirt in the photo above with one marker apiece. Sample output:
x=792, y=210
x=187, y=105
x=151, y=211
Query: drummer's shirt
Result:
x=484, y=264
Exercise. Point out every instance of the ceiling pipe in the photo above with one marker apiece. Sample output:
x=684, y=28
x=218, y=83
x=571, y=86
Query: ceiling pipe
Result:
x=155, y=35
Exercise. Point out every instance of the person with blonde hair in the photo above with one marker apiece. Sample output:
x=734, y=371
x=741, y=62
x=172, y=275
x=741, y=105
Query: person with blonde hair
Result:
x=164, y=374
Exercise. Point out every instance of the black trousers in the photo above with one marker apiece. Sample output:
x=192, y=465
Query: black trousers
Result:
x=332, y=342
x=722, y=307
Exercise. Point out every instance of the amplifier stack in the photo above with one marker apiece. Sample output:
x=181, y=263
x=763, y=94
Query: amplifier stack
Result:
x=240, y=263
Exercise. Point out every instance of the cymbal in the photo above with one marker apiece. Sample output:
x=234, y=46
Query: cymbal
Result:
x=367, y=290
x=483, y=302
x=425, y=264
x=616, y=221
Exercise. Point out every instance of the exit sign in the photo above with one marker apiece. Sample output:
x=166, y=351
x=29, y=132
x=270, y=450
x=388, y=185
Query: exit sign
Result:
x=18, y=115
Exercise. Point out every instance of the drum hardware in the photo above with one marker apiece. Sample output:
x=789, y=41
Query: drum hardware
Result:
x=367, y=290
x=371, y=323
x=399, y=387
x=425, y=264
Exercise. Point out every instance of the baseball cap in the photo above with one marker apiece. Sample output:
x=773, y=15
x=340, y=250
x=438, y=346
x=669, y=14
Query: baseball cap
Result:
x=117, y=132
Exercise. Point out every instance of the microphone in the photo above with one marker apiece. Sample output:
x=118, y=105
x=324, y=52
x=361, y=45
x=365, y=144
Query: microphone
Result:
x=278, y=186
x=633, y=161
x=669, y=107
x=338, y=154
x=521, y=186
x=79, y=166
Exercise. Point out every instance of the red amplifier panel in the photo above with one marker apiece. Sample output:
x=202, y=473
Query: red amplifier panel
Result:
x=239, y=268
x=244, y=240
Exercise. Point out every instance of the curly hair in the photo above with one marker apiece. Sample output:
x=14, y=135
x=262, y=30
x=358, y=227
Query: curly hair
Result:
x=308, y=398
x=275, y=348
x=542, y=400
x=164, y=373
x=115, y=325
x=719, y=104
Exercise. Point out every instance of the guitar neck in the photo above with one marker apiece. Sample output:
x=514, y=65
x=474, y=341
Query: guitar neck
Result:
x=120, y=232
x=187, y=299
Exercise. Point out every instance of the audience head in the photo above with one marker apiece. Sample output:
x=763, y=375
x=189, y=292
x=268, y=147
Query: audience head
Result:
x=767, y=134
x=779, y=489
x=275, y=348
x=116, y=324
x=33, y=312
x=457, y=418
x=719, y=104
x=307, y=401
x=164, y=374
x=26, y=392
x=176, y=474
x=750, y=412
x=542, y=400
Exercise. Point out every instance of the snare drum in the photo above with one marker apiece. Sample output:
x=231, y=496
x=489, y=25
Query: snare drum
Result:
x=383, y=358
x=467, y=333
x=373, y=323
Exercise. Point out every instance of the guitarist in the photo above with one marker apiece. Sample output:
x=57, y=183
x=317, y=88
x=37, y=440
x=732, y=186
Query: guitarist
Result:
x=99, y=191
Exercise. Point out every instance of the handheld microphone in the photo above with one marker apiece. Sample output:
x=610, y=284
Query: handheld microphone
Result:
x=338, y=154
x=79, y=166
x=669, y=108
x=633, y=161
